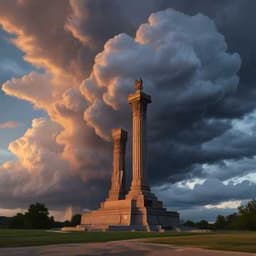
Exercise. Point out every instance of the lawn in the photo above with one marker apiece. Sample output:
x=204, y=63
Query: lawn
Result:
x=231, y=241
x=228, y=241
x=14, y=238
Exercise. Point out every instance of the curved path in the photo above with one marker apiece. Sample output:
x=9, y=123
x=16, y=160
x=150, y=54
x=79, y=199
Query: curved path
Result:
x=117, y=248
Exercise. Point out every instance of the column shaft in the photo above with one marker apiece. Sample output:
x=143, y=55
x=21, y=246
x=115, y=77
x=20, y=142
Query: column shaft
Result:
x=139, y=101
x=117, y=190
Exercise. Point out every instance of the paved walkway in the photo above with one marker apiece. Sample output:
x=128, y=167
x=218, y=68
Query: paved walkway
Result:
x=117, y=248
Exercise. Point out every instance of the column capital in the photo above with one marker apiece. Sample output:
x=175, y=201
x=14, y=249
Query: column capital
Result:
x=139, y=96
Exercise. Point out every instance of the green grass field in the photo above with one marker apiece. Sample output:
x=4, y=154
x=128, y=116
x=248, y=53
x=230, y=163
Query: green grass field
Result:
x=231, y=241
x=14, y=238
x=228, y=241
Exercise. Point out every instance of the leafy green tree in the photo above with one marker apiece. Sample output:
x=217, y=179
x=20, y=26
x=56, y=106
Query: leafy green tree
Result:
x=220, y=222
x=231, y=221
x=38, y=217
x=247, y=216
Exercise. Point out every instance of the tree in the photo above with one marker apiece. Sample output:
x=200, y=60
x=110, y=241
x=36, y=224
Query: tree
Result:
x=37, y=217
x=244, y=219
x=76, y=220
x=203, y=224
x=220, y=222
x=231, y=221
x=189, y=223
x=247, y=216
x=18, y=221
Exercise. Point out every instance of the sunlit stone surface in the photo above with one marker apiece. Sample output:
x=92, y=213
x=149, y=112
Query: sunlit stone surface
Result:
x=118, y=190
x=139, y=209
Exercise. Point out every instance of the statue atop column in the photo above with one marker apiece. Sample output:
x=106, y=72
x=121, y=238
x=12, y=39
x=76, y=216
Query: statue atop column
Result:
x=138, y=85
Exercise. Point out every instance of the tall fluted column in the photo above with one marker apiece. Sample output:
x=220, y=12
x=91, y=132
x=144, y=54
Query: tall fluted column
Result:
x=138, y=102
x=117, y=190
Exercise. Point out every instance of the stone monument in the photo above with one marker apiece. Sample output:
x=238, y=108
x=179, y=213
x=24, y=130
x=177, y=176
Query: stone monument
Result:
x=139, y=209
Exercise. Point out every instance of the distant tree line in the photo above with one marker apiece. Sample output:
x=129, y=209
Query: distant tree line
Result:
x=36, y=217
x=244, y=219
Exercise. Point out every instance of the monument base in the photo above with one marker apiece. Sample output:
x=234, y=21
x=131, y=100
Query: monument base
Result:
x=145, y=213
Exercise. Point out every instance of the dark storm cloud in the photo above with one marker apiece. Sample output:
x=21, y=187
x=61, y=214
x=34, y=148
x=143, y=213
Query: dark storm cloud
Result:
x=186, y=68
x=210, y=192
x=235, y=19
x=236, y=144
x=186, y=123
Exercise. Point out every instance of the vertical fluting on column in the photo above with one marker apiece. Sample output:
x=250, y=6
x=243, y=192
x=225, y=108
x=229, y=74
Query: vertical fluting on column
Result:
x=138, y=102
x=117, y=190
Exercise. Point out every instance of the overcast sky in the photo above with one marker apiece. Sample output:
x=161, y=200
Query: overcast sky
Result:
x=66, y=70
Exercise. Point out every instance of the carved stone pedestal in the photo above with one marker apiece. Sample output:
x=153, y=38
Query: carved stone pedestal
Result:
x=129, y=214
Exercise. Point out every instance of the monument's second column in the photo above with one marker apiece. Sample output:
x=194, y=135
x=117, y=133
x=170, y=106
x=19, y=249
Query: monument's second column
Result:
x=117, y=190
x=138, y=102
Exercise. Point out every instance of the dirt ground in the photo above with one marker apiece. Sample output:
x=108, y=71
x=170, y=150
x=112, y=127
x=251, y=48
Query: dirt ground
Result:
x=117, y=248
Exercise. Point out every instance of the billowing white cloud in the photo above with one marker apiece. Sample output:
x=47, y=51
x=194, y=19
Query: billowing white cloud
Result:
x=225, y=205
